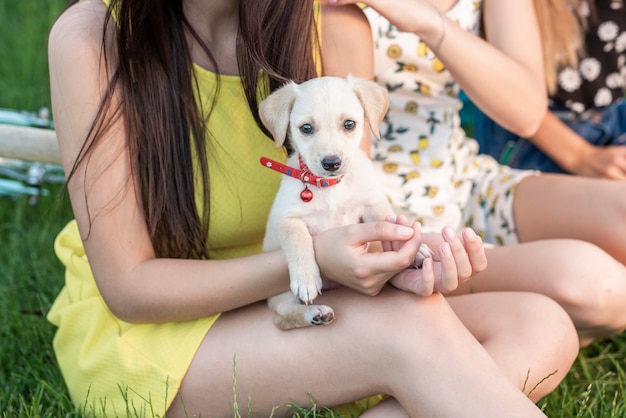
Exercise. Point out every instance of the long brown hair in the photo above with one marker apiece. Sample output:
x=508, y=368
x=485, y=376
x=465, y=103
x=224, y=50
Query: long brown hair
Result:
x=157, y=86
x=561, y=25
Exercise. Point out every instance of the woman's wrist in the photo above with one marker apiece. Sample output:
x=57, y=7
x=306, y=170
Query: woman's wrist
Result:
x=572, y=158
x=563, y=145
x=432, y=27
x=444, y=27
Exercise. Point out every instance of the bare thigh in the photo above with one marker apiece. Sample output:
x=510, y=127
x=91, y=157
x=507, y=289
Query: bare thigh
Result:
x=412, y=348
x=564, y=206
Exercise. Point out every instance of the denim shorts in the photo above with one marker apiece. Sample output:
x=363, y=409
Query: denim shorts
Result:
x=600, y=127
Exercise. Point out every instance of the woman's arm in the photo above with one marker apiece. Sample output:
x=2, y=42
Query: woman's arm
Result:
x=347, y=46
x=504, y=76
x=577, y=156
x=511, y=87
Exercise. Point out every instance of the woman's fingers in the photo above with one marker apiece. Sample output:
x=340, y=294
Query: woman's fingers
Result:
x=475, y=250
x=457, y=259
x=450, y=263
x=399, y=254
x=360, y=234
x=455, y=252
x=342, y=255
x=418, y=281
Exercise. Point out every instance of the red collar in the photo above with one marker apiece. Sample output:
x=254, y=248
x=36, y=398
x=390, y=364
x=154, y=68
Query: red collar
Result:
x=303, y=174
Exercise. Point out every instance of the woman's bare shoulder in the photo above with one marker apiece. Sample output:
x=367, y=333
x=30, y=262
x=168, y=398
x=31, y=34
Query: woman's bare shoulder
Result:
x=78, y=77
x=78, y=27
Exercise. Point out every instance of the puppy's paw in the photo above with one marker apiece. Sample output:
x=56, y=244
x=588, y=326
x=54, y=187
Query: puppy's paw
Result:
x=307, y=290
x=423, y=253
x=319, y=314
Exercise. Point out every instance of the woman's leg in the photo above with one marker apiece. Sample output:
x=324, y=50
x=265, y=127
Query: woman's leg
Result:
x=528, y=335
x=414, y=349
x=564, y=206
x=587, y=282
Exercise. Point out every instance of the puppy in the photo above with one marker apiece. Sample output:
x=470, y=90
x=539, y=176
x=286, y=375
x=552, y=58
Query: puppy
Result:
x=328, y=180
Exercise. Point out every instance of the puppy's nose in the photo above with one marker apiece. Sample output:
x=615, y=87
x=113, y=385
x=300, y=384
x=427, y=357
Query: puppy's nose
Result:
x=331, y=163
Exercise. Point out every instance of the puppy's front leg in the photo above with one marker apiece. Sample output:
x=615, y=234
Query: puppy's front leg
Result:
x=297, y=244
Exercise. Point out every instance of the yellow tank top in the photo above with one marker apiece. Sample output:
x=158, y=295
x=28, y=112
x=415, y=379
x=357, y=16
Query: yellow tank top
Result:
x=242, y=190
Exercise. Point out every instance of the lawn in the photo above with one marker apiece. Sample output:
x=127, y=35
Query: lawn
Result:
x=30, y=276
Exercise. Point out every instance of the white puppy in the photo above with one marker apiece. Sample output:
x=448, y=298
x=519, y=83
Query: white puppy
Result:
x=328, y=180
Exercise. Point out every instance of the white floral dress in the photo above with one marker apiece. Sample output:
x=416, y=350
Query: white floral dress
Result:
x=430, y=170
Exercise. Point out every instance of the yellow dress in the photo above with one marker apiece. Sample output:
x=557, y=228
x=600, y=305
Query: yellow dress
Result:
x=110, y=365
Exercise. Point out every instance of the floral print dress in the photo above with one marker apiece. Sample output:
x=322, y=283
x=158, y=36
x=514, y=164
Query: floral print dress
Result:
x=430, y=170
x=599, y=79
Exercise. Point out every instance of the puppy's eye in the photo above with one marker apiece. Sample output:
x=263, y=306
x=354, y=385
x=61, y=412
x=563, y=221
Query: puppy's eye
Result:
x=306, y=129
x=349, y=125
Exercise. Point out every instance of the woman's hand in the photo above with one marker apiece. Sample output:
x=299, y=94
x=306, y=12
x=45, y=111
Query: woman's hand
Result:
x=416, y=16
x=575, y=155
x=342, y=254
x=603, y=162
x=456, y=260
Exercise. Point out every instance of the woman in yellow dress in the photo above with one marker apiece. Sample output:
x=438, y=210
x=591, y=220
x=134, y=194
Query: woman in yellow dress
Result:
x=155, y=106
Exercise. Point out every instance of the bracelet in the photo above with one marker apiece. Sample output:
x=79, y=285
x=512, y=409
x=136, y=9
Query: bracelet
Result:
x=443, y=31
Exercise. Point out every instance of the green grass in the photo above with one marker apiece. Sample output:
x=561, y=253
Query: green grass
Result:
x=24, y=29
x=30, y=276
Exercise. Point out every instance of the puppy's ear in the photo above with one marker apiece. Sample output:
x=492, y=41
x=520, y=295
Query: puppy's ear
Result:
x=274, y=111
x=373, y=98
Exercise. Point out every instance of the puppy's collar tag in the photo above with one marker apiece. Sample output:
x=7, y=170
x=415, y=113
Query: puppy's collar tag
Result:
x=303, y=174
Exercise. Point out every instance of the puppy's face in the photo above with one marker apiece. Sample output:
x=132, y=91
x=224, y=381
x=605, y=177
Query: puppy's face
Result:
x=324, y=119
x=326, y=125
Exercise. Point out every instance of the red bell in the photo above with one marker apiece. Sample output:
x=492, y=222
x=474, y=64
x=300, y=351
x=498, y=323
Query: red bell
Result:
x=306, y=195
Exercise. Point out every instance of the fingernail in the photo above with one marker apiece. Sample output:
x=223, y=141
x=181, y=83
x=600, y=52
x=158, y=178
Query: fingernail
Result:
x=448, y=232
x=469, y=234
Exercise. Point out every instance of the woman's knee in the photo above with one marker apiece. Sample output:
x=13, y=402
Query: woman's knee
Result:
x=587, y=281
x=534, y=320
x=541, y=316
x=550, y=339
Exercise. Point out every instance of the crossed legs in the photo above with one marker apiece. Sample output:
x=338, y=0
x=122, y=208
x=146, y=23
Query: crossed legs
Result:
x=414, y=349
